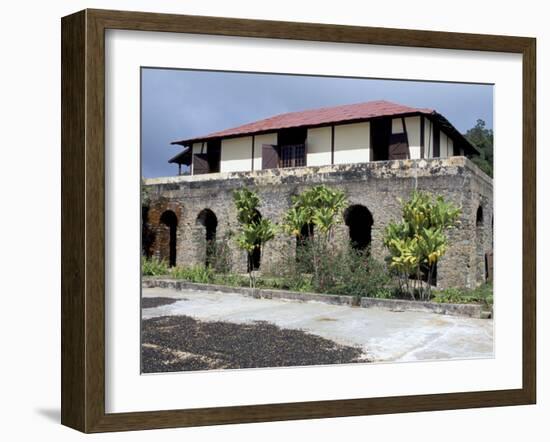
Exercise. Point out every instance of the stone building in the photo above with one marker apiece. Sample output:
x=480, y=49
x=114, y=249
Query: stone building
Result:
x=375, y=152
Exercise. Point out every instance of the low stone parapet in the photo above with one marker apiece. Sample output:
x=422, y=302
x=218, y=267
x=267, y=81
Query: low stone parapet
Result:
x=396, y=305
x=247, y=291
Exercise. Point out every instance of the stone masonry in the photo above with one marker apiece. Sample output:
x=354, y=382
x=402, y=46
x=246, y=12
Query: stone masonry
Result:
x=375, y=185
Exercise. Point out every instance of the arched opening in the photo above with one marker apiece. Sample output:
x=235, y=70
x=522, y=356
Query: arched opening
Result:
x=168, y=224
x=359, y=221
x=147, y=234
x=479, y=216
x=209, y=221
x=255, y=257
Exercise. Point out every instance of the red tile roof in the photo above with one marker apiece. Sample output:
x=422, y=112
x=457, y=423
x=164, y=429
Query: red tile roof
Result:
x=315, y=117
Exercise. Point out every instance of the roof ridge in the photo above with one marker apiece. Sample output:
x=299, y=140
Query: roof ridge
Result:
x=306, y=117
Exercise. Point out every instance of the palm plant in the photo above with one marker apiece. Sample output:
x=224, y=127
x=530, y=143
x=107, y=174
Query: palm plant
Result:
x=254, y=231
x=418, y=241
x=319, y=208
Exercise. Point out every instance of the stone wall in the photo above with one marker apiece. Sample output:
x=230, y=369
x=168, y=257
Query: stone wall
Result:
x=375, y=185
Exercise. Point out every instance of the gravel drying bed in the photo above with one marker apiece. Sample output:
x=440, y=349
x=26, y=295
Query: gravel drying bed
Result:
x=182, y=343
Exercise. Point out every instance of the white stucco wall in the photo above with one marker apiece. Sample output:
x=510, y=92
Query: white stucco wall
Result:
x=396, y=126
x=445, y=143
x=446, y=146
x=197, y=148
x=258, y=141
x=428, y=139
x=413, y=135
x=318, y=146
x=352, y=143
x=236, y=155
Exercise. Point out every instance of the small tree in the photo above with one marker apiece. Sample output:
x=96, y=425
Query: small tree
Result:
x=254, y=231
x=482, y=138
x=320, y=209
x=418, y=241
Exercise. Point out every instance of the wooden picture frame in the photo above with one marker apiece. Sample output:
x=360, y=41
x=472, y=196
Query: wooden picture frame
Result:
x=83, y=216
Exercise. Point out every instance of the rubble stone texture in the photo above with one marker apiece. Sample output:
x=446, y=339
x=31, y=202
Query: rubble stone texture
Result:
x=375, y=185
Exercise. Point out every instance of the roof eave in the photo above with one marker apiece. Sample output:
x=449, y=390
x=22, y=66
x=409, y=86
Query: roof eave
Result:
x=185, y=153
x=464, y=141
x=190, y=141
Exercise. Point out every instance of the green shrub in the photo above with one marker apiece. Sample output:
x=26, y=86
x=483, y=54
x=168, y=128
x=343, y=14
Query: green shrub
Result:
x=199, y=274
x=355, y=273
x=215, y=253
x=453, y=296
x=253, y=231
x=319, y=210
x=481, y=295
x=383, y=293
x=232, y=280
x=219, y=254
x=154, y=267
x=484, y=294
x=419, y=240
x=340, y=271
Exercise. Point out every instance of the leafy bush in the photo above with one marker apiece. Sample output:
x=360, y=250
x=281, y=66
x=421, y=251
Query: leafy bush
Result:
x=199, y=274
x=232, y=280
x=418, y=241
x=216, y=253
x=154, y=267
x=292, y=281
x=355, y=273
x=452, y=295
x=481, y=295
x=254, y=231
x=318, y=210
x=344, y=271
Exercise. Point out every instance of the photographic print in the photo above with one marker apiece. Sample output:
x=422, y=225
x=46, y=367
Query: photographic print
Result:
x=248, y=204
x=294, y=220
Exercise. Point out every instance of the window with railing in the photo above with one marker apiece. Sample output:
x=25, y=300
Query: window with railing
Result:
x=293, y=155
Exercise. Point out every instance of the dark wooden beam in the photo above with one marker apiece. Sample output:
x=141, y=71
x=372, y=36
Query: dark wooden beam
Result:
x=422, y=134
x=332, y=144
x=406, y=136
x=253, y=139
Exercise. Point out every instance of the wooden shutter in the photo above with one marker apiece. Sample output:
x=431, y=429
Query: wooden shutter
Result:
x=398, y=148
x=201, y=164
x=270, y=156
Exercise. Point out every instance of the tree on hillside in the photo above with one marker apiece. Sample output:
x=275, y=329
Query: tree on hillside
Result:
x=482, y=138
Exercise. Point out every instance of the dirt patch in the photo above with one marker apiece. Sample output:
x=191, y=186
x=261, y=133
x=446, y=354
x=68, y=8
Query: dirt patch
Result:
x=157, y=302
x=182, y=343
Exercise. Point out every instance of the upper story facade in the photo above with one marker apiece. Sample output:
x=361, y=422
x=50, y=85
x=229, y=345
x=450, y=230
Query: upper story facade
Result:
x=349, y=134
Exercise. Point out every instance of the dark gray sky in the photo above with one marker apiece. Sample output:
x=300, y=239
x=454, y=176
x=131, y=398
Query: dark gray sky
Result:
x=180, y=104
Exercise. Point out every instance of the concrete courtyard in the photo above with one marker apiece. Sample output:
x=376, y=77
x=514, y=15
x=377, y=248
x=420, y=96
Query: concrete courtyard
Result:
x=383, y=336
